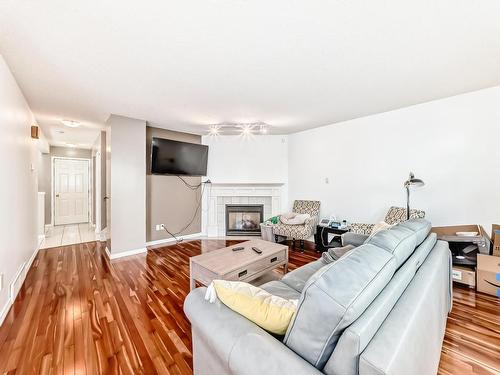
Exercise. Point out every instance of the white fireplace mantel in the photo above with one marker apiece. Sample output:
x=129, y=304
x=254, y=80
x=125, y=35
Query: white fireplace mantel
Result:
x=217, y=195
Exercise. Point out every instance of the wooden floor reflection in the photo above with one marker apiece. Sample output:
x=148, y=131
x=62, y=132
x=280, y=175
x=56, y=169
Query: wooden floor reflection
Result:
x=79, y=313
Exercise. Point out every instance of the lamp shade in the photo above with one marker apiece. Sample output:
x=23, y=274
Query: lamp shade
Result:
x=413, y=182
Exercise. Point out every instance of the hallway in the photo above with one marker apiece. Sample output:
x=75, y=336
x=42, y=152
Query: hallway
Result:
x=62, y=235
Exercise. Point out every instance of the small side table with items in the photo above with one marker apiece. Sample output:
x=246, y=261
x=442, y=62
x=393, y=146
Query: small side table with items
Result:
x=321, y=237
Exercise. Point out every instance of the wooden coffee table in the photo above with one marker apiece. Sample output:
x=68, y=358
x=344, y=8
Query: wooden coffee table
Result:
x=243, y=265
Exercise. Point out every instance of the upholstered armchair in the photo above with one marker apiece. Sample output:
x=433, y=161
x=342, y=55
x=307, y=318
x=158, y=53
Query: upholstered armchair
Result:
x=358, y=232
x=304, y=231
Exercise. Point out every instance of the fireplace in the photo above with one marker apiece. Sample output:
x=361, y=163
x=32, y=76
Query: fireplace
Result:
x=244, y=220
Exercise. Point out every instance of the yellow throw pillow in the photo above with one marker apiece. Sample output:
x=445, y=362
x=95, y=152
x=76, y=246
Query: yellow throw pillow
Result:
x=269, y=312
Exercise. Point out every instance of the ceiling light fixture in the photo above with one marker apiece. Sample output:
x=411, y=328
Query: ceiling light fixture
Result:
x=236, y=128
x=71, y=123
x=70, y=145
x=214, y=130
x=246, y=129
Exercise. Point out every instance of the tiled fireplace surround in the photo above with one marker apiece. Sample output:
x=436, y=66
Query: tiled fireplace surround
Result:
x=218, y=195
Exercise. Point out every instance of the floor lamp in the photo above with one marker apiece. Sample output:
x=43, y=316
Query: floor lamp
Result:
x=411, y=183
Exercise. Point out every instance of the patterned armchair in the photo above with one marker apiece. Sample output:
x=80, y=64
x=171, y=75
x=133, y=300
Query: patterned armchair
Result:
x=300, y=232
x=395, y=215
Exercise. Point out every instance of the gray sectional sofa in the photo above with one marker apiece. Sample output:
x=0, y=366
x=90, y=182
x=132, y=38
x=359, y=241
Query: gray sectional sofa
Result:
x=381, y=309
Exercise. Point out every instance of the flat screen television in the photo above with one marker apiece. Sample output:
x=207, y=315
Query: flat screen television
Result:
x=178, y=158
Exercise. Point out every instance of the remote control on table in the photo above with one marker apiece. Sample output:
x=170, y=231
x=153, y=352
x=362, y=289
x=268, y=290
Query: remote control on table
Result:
x=238, y=248
x=257, y=250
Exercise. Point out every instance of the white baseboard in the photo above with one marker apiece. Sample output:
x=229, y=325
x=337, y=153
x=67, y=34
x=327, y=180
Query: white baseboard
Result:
x=31, y=259
x=150, y=243
x=17, y=282
x=171, y=239
x=5, y=310
x=127, y=253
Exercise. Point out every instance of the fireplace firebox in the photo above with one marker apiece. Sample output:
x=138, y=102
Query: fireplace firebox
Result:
x=244, y=220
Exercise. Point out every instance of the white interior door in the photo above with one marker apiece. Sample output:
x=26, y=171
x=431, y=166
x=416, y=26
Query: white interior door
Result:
x=71, y=191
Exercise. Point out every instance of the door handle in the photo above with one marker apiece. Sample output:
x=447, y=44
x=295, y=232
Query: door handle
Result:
x=106, y=198
x=57, y=195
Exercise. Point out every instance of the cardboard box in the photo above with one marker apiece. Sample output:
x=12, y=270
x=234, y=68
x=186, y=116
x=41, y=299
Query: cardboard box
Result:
x=488, y=274
x=495, y=238
x=464, y=275
x=449, y=234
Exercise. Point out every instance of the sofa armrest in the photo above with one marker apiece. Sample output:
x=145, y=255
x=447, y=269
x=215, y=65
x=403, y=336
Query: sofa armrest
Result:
x=353, y=239
x=410, y=339
x=250, y=350
x=240, y=346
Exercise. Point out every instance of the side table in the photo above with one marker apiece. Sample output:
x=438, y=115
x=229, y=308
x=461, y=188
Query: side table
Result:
x=321, y=238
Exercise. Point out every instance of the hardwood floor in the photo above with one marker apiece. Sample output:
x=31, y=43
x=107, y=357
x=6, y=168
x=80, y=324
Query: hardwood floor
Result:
x=472, y=340
x=79, y=313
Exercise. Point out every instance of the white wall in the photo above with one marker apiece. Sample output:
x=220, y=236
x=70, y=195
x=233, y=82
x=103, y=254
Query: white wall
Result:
x=255, y=159
x=128, y=184
x=18, y=189
x=452, y=144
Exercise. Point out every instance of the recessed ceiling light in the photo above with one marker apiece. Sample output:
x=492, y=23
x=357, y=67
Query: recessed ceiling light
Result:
x=71, y=123
x=70, y=145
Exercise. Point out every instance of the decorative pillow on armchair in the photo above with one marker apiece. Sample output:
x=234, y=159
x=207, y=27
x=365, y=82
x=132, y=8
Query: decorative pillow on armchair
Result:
x=269, y=312
x=294, y=218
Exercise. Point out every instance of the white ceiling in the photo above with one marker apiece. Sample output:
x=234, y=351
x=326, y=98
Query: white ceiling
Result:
x=59, y=135
x=294, y=64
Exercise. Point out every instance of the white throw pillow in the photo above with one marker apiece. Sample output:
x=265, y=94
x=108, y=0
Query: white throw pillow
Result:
x=294, y=218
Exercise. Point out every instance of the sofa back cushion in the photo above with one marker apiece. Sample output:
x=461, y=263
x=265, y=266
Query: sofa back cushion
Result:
x=356, y=337
x=402, y=239
x=334, y=297
x=421, y=227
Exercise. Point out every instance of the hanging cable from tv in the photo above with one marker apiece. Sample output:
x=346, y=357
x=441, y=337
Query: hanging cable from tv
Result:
x=198, y=205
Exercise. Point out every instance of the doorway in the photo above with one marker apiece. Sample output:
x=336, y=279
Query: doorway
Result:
x=70, y=190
